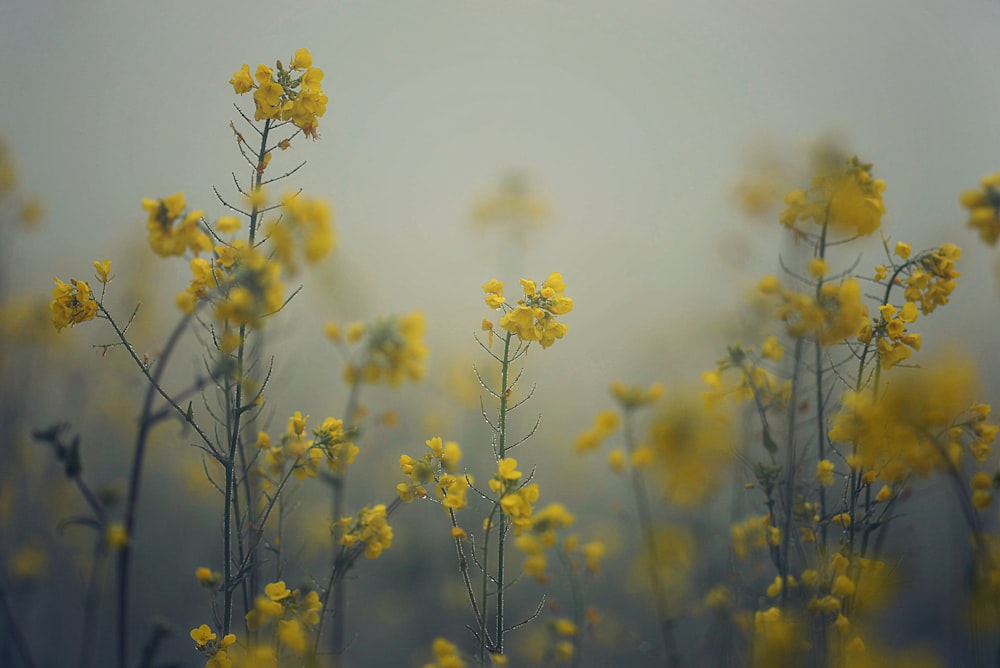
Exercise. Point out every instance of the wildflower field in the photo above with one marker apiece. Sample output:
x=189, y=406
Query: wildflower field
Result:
x=217, y=448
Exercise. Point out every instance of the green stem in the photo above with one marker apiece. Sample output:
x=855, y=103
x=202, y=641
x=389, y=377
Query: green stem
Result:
x=504, y=525
x=237, y=414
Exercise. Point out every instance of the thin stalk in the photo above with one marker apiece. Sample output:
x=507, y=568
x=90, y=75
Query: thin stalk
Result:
x=504, y=525
x=577, y=597
x=20, y=642
x=146, y=422
x=237, y=414
x=92, y=603
x=639, y=493
x=338, y=633
x=786, y=531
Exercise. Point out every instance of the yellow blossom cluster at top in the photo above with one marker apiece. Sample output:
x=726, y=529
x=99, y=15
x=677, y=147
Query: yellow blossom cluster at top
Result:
x=534, y=317
x=294, y=94
x=843, y=196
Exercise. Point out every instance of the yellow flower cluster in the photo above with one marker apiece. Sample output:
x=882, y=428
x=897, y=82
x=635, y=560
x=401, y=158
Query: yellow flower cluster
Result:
x=249, y=279
x=755, y=383
x=753, y=533
x=983, y=205
x=779, y=639
x=446, y=655
x=439, y=466
x=515, y=500
x=72, y=303
x=690, y=446
x=294, y=612
x=846, y=198
x=605, y=423
x=534, y=317
x=544, y=525
x=931, y=279
x=169, y=237
x=309, y=218
x=371, y=528
x=295, y=94
x=894, y=342
x=839, y=313
x=330, y=442
x=394, y=350
x=633, y=396
x=207, y=642
x=921, y=423
x=252, y=288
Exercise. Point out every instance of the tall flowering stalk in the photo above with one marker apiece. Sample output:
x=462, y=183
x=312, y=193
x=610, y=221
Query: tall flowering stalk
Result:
x=240, y=285
x=511, y=496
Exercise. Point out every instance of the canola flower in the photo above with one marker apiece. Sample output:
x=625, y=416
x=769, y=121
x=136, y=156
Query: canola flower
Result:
x=72, y=303
x=294, y=94
x=844, y=196
x=534, y=316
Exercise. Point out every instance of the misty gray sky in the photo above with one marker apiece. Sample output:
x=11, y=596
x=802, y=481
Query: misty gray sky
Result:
x=633, y=118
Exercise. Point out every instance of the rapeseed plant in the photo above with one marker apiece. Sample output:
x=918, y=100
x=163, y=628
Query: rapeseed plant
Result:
x=832, y=418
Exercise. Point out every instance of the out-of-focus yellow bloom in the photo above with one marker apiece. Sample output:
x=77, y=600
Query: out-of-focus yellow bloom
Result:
x=843, y=196
x=169, y=237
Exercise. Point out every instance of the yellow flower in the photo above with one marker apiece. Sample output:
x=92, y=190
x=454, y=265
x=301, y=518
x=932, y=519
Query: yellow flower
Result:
x=494, y=293
x=818, y=267
x=824, y=472
x=115, y=536
x=267, y=98
x=302, y=59
x=903, y=250
x=534, y=317
x=72, y=303
x=277, y=591
x=103, y=269
x=242, y=81
x=203, y=635
x=206, y=577
x=228, y=224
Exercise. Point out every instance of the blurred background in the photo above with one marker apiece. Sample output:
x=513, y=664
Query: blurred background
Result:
x=633, y=125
